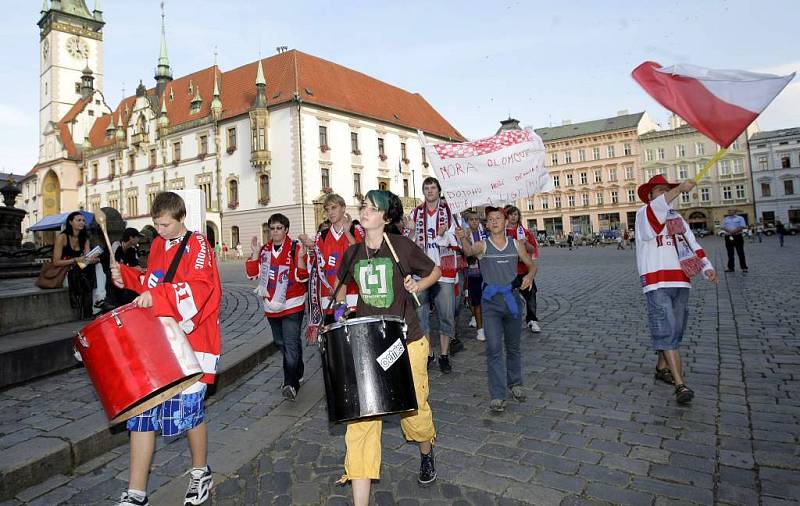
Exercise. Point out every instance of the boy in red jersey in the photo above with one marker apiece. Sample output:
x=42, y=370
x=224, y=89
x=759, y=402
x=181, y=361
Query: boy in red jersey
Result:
x=192, y=297
x=325, y=253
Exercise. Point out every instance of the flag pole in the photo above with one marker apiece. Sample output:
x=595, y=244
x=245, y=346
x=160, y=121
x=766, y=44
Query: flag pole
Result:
x=700, y=175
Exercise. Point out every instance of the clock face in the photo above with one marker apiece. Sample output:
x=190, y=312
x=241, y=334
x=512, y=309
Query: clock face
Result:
x=77, y=48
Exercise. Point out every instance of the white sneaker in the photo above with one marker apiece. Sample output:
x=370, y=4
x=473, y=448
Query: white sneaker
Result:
x=200, y=483
x=472, y=323
x=132, y=500
x=534, y=326
x=481, y=336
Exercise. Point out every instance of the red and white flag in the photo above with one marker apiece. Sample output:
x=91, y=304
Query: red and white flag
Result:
x=719, y=103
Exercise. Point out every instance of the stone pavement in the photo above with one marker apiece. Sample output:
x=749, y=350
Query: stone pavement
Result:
x=57, y=423
x=596, y=428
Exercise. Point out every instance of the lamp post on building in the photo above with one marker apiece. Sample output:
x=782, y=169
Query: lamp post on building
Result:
x=119, y=136
x=216, y=115
x=163, y=126
x=85, y=147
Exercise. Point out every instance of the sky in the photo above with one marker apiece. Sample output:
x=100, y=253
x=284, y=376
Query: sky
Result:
x=476, y=62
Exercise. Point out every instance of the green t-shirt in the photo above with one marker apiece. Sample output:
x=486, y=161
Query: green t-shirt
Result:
x=380, y=285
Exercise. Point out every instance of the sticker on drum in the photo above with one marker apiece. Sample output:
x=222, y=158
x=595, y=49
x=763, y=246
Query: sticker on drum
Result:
x=391, y=355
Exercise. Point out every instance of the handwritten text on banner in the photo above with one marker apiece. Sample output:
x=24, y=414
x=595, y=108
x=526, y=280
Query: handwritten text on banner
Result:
x=493, y=171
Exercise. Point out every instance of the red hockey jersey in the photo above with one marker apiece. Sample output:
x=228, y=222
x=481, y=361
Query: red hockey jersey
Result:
x=280, y=282
x=193, y=298
x=332, y=247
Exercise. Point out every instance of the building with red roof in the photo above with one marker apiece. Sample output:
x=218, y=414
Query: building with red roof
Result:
x=274, y=135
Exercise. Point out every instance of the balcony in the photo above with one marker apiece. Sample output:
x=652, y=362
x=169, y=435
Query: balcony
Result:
x=260, y=158
x=140, y=138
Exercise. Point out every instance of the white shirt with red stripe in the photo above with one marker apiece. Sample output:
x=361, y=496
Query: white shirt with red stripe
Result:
x=656, y=255
x=437, y=247
x=296, y=287
x=192, y=298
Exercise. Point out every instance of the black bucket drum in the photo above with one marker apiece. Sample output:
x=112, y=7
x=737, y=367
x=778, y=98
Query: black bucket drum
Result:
x=366, y=368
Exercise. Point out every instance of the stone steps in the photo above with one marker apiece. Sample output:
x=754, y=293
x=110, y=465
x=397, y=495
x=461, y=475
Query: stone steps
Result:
x=35, y=353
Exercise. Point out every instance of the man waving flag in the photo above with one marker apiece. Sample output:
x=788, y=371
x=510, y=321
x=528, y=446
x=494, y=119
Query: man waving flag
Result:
x=719, y=103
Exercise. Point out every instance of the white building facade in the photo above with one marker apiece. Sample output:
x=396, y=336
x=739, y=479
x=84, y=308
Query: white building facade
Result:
x=271, y=136
x=775, y=158
x=681, y=153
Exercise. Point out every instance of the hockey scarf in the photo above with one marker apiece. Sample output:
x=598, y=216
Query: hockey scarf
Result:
x=276, y=303
x=420, y=215
x=478, y=235
x=316, y=280
x=691, y=264
x=675, y=223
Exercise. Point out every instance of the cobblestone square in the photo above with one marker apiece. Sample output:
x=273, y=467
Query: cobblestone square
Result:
x=596, y=428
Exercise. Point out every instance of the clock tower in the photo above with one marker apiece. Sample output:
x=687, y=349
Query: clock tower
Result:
x=70, y=40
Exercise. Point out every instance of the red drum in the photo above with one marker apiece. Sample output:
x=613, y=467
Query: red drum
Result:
x=136, y=360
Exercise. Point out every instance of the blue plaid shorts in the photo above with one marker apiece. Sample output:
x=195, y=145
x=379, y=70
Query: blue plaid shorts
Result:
x=174, y=416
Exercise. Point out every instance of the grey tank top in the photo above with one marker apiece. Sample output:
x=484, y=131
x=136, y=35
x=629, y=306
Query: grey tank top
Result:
x=499, y=267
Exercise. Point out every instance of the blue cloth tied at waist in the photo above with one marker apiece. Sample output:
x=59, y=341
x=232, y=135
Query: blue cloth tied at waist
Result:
x=491, y=289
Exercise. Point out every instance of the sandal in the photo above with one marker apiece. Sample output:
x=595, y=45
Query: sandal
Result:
x=683, y=394
x=665, y=375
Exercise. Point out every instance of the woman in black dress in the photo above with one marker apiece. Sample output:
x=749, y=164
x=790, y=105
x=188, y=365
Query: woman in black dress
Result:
x=70, y=250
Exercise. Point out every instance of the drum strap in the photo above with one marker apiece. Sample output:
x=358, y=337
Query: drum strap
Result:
x=177, y=259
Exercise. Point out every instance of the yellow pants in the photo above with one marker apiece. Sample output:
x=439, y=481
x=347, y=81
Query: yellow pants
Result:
x=363, y=438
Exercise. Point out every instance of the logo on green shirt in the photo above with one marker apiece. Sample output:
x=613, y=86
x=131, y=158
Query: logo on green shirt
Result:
x=374, y=279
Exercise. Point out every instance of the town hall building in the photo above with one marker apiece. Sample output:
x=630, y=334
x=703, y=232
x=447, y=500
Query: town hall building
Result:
x=274, y=135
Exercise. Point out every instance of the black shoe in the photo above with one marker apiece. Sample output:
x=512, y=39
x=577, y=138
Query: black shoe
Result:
x=744, y=270
x=456, y=345
x=427, y=470
x=430, y=360
x=683, y=394
x=444, y=364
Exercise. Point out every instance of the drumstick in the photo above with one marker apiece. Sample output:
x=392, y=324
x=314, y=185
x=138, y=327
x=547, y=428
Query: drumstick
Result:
x=399, y=267
x=100, y=218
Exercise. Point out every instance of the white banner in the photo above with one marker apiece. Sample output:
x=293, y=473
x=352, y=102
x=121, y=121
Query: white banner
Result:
x=494, y=171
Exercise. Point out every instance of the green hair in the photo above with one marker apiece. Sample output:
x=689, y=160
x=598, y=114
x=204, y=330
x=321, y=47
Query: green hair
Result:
x=378, y=198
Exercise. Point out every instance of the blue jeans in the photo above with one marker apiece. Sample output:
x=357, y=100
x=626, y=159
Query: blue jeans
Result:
x=502, y=328
x=444, y=298
x=667, y=312
x=286, y=334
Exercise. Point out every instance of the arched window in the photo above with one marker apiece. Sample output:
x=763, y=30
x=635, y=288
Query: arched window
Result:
x=263, y=188
x=383, y=186
x=234, y=236
x=233, y=192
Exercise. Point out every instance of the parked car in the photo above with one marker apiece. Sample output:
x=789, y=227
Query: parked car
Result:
x=701, y=232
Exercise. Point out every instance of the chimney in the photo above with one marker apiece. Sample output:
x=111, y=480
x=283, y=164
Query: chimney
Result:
x=622, y=112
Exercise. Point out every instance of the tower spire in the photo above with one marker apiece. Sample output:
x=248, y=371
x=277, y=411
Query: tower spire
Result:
x=163, y=70
x=261, y=87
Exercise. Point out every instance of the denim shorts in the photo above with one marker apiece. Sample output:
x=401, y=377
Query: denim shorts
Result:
x=667, y=311
x=174, y=416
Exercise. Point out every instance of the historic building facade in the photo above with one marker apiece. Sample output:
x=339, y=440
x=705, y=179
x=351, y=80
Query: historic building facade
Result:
x=595, y=171
x=274, y=135
x=680, y=153
x=775, y=159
